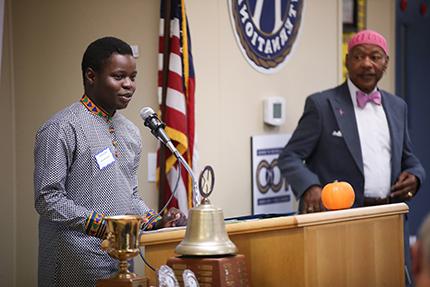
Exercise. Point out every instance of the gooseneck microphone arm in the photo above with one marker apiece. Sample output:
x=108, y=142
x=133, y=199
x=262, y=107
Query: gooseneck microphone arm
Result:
x=156, y=126
x=191, y=173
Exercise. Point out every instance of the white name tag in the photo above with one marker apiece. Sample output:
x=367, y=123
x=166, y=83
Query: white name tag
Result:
x=104, y=158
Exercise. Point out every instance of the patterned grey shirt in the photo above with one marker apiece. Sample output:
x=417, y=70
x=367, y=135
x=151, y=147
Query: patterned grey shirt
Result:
x=69, y=185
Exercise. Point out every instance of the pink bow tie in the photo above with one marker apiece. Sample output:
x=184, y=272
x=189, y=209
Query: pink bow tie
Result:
x=363, y=99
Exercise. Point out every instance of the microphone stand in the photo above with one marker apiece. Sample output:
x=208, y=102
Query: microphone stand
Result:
x=191, y=173
x=157, y=129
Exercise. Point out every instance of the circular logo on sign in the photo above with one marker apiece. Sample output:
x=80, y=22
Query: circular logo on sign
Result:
x=268, y=176
x=266, y=30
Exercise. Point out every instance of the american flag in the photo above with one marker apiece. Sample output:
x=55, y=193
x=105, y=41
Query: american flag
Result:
x=176, y=85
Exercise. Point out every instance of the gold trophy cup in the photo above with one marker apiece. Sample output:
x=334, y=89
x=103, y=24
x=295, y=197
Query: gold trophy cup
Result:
x=122, y=243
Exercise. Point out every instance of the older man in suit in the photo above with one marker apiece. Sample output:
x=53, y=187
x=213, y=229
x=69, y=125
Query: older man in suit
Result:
x=354, y=132
x=357, y=133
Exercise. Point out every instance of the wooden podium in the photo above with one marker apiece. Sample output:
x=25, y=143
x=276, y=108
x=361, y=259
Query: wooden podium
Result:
x=354, y=247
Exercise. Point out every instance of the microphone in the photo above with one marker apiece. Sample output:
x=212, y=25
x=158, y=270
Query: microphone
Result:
x=151, y=120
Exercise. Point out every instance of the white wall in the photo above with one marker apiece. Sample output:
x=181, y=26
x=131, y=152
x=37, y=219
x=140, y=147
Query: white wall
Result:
x=230, y=92
x=386, y=26
x=48, y=39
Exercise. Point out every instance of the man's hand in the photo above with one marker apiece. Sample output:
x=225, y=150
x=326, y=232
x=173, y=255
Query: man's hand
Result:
x=312, y=200
x=405, y=187
x=174, y=217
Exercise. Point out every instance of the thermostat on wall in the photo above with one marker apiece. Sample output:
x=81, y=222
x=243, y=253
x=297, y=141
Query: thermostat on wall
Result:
x=274, y=111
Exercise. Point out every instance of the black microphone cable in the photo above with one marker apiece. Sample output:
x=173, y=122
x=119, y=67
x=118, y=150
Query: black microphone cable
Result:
x=158, y=214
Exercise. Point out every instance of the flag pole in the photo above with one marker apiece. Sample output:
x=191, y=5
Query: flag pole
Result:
x=166, y=62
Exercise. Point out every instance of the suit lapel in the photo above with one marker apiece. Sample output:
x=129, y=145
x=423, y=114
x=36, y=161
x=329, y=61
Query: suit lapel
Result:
x=343, y=110
x=396, y=127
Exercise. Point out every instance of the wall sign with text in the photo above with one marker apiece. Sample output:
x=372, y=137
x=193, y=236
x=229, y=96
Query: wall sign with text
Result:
x=266, y=30
x=271, y=193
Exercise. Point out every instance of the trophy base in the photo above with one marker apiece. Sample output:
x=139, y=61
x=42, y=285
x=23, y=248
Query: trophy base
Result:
x=213, y=271
x=137, y=281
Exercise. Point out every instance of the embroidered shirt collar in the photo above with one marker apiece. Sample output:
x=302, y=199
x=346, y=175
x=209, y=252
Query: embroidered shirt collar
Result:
x=94, y=109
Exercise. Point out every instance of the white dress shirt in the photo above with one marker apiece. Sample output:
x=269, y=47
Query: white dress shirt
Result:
x=375, y=146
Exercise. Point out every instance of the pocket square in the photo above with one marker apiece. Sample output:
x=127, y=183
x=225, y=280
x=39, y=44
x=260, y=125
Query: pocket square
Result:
x=337, y=133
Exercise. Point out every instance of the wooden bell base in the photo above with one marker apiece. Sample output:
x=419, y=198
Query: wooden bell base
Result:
x=115, y=282
x=213, y=271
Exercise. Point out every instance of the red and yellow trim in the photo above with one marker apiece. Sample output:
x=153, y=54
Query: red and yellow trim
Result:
x=94, y=109
x=150, y=219
x=96, y=225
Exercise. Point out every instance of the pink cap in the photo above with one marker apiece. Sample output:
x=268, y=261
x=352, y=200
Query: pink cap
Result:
x=368, y=37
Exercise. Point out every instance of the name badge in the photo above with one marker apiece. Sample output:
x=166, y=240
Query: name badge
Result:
x=104, y=158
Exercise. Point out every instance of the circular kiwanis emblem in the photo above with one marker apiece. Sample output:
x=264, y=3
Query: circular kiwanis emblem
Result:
x=266, y=30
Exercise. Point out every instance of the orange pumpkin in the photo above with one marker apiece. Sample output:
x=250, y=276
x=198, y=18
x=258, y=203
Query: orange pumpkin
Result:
x=337, y=195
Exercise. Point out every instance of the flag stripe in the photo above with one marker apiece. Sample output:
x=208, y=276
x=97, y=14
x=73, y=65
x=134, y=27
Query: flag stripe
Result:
x=174, y=28
x=174, y=45
x=175, y=63
x=175, y=81
x=177, y=120
x=176, y=100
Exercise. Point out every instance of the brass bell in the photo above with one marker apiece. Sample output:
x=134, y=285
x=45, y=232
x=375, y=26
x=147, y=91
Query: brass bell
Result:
x=205, y=234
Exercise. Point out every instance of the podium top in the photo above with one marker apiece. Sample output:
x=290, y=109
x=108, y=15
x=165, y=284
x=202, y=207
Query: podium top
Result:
x=286, y=222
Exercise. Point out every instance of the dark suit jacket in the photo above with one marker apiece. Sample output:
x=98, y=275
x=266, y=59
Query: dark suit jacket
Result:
x=314, y=156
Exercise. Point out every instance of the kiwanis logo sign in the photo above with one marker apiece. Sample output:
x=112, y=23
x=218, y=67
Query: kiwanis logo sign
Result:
x=266, y=30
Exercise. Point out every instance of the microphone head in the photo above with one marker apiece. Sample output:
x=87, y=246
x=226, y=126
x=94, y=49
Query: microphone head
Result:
x=145, y=112
x=151, y=120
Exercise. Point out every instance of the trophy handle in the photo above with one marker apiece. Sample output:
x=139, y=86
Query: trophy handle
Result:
x=107, y=243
